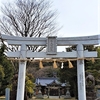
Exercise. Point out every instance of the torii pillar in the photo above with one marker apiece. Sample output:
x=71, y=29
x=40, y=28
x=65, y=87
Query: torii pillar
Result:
x=81, y=73
x=21, y=74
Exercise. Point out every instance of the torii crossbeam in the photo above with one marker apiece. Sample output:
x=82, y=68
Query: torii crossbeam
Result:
x=51, y=44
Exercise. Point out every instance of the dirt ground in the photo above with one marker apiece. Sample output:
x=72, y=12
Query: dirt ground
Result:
x=51, y=98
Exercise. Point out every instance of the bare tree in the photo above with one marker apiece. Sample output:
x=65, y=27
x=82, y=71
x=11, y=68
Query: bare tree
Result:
x=28, y=18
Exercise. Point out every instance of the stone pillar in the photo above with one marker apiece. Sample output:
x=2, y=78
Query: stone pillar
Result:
x=98, y=89
x=48, y=91
x=7, y=94
x=59, y=91
x=39, y=95
x=81, y=73
x=67, y=96
x=21, y=74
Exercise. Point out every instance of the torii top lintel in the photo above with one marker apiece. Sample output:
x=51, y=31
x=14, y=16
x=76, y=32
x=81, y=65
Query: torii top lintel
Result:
x=64, y=41
x=51, y=42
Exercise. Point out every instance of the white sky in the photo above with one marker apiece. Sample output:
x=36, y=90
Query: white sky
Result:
x=78, y=17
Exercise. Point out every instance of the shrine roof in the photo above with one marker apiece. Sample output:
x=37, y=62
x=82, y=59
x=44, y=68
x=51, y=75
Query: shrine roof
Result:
x=48, y=80
x=54, y=82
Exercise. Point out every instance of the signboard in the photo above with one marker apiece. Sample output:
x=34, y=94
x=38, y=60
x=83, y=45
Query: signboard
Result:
x=52, y=45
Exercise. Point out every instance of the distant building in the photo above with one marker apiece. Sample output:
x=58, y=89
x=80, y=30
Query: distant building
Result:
x=50, y=86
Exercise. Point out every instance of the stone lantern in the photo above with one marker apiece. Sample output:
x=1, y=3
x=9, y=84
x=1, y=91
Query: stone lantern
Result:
x=39, y=94
x=67, y=91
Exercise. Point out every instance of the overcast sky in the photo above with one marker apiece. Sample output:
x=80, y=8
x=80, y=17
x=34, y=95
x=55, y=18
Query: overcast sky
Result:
x=78, y=17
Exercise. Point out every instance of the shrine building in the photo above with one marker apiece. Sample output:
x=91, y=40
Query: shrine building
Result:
x=50, y=86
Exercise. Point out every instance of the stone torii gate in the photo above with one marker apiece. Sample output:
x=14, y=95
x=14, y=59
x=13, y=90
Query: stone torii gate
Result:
x=51, y=44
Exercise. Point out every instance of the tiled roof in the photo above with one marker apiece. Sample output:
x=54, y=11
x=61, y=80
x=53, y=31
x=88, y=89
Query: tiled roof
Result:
x=47, y=80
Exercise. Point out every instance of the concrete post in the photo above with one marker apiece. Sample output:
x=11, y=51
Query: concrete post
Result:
x=7, y=94
x=81, y=73
x=21, y=75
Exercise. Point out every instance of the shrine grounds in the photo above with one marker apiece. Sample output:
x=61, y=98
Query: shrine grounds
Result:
x=53, y=99
x=3, y=98
x=46, y=99
x=43, y=99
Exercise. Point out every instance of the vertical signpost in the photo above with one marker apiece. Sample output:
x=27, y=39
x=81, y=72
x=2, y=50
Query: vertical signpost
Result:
x=7, y=93
x=52, y=43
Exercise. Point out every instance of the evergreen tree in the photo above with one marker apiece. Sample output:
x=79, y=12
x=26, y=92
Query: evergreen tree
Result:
x=94, y=66
x=6, y=71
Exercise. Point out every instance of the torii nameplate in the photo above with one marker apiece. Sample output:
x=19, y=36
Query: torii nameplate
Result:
x=52, y=45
